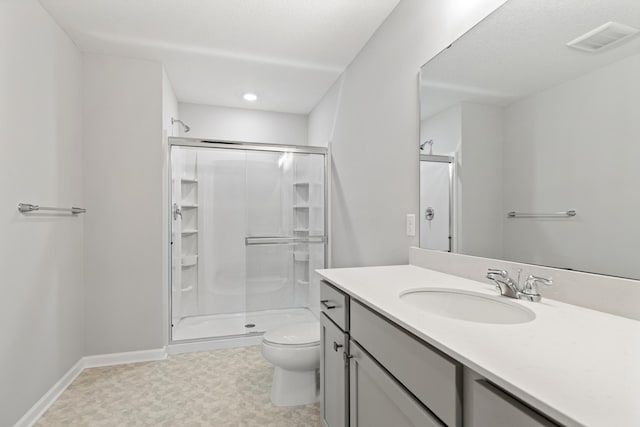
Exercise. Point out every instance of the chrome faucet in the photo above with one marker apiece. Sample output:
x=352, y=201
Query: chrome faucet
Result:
x=512, y=289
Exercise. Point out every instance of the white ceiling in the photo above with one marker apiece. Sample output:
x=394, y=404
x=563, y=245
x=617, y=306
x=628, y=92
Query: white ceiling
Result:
x=289, y=52
x=521, y=49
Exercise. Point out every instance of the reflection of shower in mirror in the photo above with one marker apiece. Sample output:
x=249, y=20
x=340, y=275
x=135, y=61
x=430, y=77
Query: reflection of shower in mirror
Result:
x=184, y=125
x=429, y=213
x=430, y=142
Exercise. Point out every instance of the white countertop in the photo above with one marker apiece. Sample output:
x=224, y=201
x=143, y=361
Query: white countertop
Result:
x=579, y=366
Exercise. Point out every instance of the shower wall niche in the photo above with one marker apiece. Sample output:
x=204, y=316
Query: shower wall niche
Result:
x=248, y=233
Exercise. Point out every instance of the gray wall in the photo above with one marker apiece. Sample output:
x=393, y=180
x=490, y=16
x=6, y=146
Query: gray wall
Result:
x=41, y=256
x=322, y=118
x=374, y=144
x=123, y=174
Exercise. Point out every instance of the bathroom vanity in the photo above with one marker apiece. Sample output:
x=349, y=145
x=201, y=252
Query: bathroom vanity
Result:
x=386, y=361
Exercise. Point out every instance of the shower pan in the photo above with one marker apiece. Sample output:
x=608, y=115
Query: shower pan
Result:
x=248, y=228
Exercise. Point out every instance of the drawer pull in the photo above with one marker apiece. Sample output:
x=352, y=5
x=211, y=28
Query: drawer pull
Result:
x=325, y=304
x=336, y=346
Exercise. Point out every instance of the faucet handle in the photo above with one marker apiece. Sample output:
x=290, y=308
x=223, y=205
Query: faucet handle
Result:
x=532, y=282
x=547, y=281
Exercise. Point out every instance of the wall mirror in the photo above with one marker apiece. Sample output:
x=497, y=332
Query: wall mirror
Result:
x=530, y=138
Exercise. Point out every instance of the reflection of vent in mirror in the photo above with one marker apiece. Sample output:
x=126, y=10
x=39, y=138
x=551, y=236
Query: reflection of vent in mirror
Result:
x=604, y=36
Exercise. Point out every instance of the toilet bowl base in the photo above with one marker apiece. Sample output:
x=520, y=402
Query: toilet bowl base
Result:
x=294, y=388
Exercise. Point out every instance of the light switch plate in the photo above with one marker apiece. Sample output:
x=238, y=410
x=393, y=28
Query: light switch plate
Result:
x=411, y=225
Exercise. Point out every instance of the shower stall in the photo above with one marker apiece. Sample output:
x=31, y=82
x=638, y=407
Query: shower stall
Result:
x=248, y=228
x=436, y=201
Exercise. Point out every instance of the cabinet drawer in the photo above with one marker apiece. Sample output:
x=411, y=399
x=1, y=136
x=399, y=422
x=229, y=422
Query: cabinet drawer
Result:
x=493, y=407
x=432, y=377
x=377, y=399
x=334, y=304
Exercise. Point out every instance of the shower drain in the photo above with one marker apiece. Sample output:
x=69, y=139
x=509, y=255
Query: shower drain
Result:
x=250, y=325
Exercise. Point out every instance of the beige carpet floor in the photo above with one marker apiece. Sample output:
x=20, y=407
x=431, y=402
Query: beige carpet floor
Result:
x=215, y=388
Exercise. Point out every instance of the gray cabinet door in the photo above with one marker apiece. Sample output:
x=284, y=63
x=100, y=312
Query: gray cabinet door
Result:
x=493, y=407
x=377, y=399
x=333, y=374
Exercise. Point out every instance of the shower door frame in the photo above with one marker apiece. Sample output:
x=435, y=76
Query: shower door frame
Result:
x=243, y=146
x=434, y=158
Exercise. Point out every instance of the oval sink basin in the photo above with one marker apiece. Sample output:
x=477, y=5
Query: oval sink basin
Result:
x=466, y=305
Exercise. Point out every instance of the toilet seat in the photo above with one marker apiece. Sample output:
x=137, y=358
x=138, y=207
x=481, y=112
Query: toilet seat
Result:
x=305, y=334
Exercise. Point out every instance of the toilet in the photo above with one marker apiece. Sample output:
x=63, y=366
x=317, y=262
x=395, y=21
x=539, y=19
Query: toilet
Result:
x=294, y=351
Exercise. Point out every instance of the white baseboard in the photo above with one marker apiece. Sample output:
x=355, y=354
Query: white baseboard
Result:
x=41, y=406
x=50, y=396
x=124, y=358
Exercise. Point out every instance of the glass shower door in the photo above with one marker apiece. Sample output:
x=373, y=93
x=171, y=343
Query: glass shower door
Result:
x=248, y=229
x=285, y=238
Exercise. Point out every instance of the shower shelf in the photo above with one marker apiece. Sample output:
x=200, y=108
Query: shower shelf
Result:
x=191, y=231
x=303, y=282
x=189, y=206
x=189, y=261
x=187, y=289
x=189, y=180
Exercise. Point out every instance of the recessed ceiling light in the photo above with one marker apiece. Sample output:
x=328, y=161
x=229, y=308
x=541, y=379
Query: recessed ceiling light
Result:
x=250, y=97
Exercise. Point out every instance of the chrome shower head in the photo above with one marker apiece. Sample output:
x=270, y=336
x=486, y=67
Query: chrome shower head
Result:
x=186, y=128
x=429, y=141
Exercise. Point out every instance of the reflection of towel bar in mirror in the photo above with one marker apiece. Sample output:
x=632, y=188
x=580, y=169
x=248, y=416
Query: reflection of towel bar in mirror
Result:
x=27, y=207
x=514, y=214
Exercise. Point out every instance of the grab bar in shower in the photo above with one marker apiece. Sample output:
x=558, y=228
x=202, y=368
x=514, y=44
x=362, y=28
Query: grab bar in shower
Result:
x=514, y=214
x=27, y=207
x=257, y=240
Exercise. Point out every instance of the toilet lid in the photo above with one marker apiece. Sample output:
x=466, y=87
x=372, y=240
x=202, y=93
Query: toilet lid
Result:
x=294, y=334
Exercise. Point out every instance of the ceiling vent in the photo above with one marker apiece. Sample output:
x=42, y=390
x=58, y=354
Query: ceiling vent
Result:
x=607, y=35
